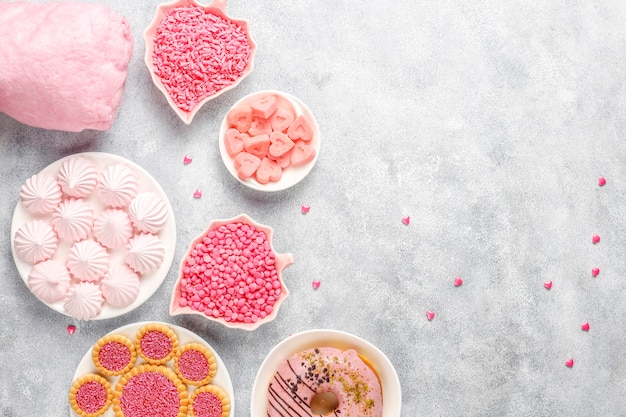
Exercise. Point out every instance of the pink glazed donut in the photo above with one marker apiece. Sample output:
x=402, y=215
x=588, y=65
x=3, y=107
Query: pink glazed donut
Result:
x=341, y=382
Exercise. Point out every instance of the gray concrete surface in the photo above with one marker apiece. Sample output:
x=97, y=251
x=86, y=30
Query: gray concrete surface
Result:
x=488, y=123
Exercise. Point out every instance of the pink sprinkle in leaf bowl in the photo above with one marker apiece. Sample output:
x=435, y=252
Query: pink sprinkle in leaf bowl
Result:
x=281, y=261
x=217, y=8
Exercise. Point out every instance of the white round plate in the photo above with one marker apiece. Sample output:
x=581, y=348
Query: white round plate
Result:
x=291, y=175
x=149, y=282
x=221, y=378
x=392, y=394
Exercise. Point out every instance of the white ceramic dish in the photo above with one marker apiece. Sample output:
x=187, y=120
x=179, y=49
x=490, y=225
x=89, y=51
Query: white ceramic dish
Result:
x=218, y=8
x=283, y=260
x=392, y=394
x=149, y=282
x=291, y=175
x=221, y=378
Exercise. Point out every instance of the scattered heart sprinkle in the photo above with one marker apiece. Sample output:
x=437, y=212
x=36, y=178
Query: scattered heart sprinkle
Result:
x=430, y=315
x=305, y=208
x=601, y=181
x=406, y=220
x=547, y=285
x=595, y=239
x=197, y=194
x=187, y=160
x=569, y=363
x=595, y=272
x=316, y=284
x=585, y=327
x=458, y=282
x=71, y=329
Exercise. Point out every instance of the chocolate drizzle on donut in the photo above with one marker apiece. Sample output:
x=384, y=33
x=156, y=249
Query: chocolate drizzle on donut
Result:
x=309, y=373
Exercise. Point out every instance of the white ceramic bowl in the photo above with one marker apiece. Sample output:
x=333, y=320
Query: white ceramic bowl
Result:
x=392, y=393
x=291, y=175
x=218, y=8
x=282, y=260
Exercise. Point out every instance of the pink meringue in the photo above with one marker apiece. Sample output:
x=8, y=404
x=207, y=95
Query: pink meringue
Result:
x=73, y=220
x=35, y=241
x=83, y=301
x=112, y=228
x=120, y=286
x=148, y=212
x=118, y=186
x=144, y=253
x=40, y=194
x=87, y=260
x=49, y=281
x=78, y=177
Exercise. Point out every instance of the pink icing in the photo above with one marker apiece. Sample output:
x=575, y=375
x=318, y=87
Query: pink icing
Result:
x=231, y=274
x=114, y=356
x=91, y=396
x=196, y=54
x=150, y=394
x=155, y=344
x=193, y=365
x=207, y=404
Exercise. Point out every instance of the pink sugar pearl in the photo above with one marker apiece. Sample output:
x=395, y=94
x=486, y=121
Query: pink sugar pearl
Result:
x=232, y=275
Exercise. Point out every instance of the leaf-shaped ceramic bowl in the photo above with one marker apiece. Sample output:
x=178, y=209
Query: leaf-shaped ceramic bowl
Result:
x=212, y=289
x=217, y=8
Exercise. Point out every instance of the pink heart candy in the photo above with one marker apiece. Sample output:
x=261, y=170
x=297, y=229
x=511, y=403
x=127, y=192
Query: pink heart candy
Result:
x=71, y=329
x=430, y=315
x=280, y=144
x=547, y=285
x=281, y=119
x=458, y=282
x=234, y=141
x=187, y=160
x=302, y=154
x=601, y=181
x=240, y=118
x=283, y=161
x=406, y=220
x=260, y=127
x=569, y=363
x=268, y=171
x=246, y=164
x=585, y=327
x=300, y=129
x=595, y=239
x=305, y=209
x=264, y=106
x=595, y=272
x=257, y=145
x=316, y=284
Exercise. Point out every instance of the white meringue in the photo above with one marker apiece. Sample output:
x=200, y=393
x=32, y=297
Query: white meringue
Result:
x=144, y=253
x=72, y=220
x=83, y=301
x=112, y=228
x=117, y=186
x=120, y=286
x=49, y=281
x=88, y=260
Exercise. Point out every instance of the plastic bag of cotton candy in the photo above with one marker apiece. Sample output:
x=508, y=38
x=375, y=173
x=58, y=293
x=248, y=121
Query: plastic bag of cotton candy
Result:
x=63, y=64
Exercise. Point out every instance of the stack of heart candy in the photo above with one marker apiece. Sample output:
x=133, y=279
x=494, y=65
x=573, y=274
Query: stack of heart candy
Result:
x=266, y=136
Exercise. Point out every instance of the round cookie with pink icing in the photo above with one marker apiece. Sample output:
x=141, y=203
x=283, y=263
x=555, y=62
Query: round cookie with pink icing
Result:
x=325, y=381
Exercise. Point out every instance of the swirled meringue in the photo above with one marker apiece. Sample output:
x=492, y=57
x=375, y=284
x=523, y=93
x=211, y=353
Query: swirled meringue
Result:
x=117, y=186
x=72, y=220
x=35, y=241
x=148, y=212
x=49, y=281
x=120, y=286
x=112, y=228
x=40, y=194
x=83, y=301
x=78, y=177
x=88, y=260
x=144, y=253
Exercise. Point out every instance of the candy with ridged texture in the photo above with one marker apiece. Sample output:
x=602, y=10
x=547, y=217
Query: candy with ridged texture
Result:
x=88, y=260
x=78, y=177
x=49, y=280
x=83, y=301
x=40, y=194
x=117, y=186
x=144, y=253
x=35, y=241
x=112, y=228
x=73, y=220
x=148, y=212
